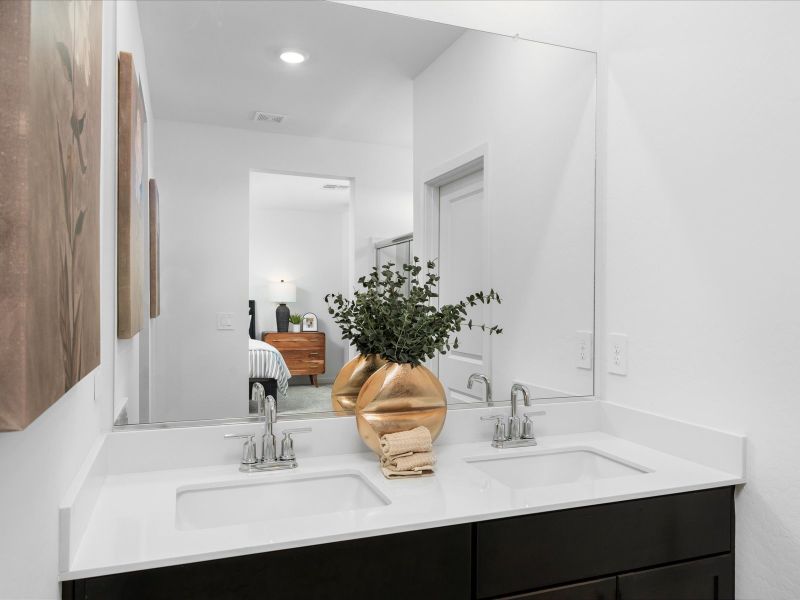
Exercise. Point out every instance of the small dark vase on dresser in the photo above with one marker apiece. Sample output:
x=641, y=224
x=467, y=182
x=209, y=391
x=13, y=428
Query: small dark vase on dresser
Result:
x=282, y=314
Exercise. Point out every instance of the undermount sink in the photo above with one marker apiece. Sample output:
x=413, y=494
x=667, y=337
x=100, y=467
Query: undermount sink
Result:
x=553, y=468
x=267, y=499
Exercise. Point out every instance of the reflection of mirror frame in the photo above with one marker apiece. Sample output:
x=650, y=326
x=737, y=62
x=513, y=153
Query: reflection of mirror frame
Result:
x=422, y=249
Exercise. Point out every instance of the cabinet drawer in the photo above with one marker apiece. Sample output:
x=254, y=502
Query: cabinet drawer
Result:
x=599, y=589
x=548, y=549
x=709, y=579
x=432, y=563
x=298, y=355
x=297, y=341
x=306, y=367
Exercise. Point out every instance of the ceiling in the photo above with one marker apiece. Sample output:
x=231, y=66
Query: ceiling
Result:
x=216, y=62
x=296, y=192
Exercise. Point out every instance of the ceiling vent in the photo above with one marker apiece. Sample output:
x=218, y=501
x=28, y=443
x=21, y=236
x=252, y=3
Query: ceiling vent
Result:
x=263, y=117
x=334, y=186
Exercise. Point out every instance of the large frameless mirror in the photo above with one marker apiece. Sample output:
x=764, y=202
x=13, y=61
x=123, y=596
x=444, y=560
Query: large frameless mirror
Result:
x=294, y=146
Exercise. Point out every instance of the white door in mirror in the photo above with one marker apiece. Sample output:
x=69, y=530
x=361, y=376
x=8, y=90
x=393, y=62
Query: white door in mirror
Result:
x=462, y=257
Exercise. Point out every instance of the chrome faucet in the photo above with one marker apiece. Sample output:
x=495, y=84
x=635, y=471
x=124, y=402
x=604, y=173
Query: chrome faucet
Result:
x=267, y=409
x=514, y=434
x=513, y=420
x=487, y=386
x=269, y=460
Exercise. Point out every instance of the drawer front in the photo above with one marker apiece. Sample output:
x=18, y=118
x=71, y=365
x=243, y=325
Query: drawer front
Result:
x=300, y=355
x=548, y=549
x=432, y=563
x=707, y=579
x=599, y=589
x=296, y=341
x=306, y=367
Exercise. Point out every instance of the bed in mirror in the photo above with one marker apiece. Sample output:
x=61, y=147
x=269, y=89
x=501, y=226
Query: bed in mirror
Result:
x=283, y=178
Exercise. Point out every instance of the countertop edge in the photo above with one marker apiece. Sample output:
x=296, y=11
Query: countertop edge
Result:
x=70, y=575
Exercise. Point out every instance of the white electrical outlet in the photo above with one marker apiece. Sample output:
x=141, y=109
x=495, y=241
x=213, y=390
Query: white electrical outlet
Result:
x=225, y=321
x=618, y=353
x=583, y=350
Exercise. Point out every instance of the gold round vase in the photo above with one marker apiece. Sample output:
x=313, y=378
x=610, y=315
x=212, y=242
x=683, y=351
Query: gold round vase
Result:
x=351, y=378
x=399, y=397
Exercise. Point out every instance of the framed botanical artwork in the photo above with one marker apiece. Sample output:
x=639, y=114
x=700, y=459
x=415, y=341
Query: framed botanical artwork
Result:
x=50, y=66
x=155, y=253
x=310, y=322
x=132, y=193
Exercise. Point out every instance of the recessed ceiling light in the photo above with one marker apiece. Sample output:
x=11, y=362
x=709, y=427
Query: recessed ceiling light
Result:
x=293, y=57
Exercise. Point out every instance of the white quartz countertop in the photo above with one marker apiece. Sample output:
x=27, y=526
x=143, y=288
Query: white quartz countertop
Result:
x=133, y=522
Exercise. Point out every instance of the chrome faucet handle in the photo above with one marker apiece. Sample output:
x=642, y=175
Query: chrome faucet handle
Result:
x=248, y=448
x=287, y=443
x=527, y=424
x=499, y=427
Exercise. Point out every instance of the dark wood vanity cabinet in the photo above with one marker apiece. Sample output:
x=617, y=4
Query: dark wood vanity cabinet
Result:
x=675, y=547
x=549, y=549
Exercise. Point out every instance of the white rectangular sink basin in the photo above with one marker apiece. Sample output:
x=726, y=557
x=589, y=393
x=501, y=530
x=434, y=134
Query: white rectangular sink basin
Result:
x=267, y=499
x=553, y=468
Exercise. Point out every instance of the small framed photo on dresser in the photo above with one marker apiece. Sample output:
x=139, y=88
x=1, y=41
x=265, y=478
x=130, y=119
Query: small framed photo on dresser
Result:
x=310, y=322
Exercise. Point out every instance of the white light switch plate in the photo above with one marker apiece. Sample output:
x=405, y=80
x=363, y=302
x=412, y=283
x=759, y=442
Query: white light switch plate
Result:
x=583, y=350
x=618, y=353
x=225, y=321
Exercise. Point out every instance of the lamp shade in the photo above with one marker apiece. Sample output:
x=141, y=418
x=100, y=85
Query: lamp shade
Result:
x=282, y=292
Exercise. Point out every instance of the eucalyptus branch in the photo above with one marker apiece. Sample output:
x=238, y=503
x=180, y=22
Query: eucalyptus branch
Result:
x=404, y=327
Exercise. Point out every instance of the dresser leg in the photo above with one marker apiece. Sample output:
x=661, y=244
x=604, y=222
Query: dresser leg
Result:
x=313, y=379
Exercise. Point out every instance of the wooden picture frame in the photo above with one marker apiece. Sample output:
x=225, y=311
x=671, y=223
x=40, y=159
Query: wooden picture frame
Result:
x=131, y=194
x=50, y=66
x=155, y=252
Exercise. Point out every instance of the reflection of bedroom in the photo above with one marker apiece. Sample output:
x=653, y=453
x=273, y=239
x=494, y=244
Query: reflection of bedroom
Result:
x=205, y=251
x=300, y=233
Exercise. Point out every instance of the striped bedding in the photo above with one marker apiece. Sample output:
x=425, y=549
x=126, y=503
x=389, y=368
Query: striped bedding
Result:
x=267, y=363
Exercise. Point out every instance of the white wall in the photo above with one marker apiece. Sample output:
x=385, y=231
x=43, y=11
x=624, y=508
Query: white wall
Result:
x=702, y=150
x=309, y=248
x=204, y=175
x=533, y=107
x=37, y=464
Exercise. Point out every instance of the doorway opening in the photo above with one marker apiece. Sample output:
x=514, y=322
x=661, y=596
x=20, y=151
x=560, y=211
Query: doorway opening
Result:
x=300, y=249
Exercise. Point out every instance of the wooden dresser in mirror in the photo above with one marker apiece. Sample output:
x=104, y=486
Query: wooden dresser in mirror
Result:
x=304, y=352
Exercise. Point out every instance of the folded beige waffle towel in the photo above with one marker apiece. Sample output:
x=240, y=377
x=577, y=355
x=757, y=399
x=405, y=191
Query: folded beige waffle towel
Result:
x=402, y=442
x=409, y=462
x=389, y=474
x=407, y=453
